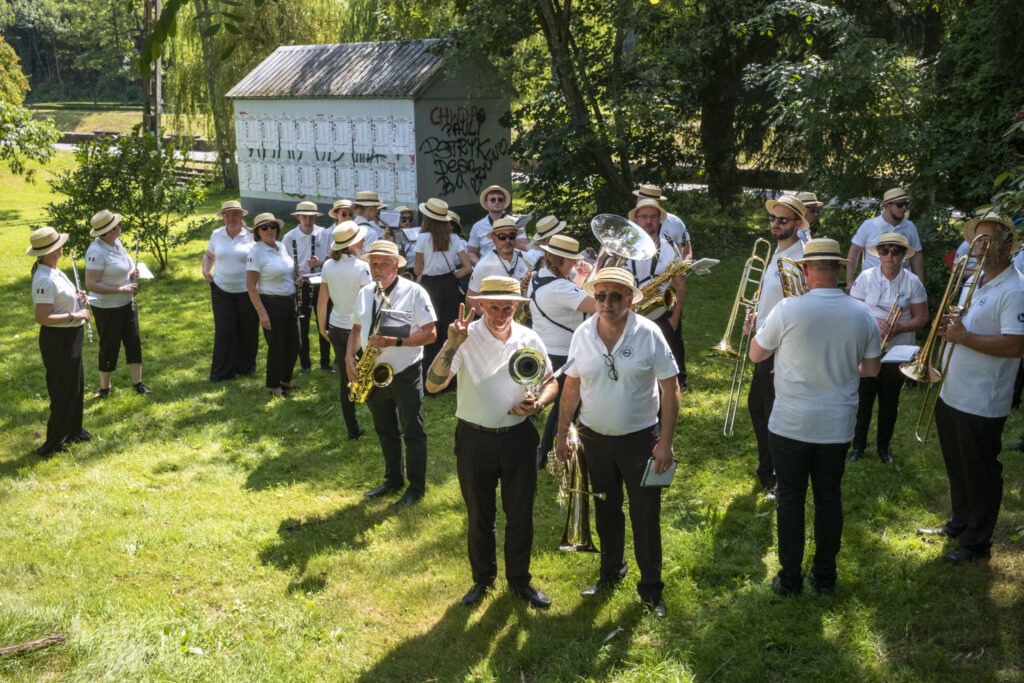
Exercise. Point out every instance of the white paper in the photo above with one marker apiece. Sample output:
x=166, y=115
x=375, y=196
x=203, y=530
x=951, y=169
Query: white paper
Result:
x=362, y=135
x=702, y=266
x=390, y=217
x=144, y=272
x=325, y=181
x=901, y=353
x=382, y=135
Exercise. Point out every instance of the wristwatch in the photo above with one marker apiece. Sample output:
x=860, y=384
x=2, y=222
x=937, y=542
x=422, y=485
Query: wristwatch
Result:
x=398, y=341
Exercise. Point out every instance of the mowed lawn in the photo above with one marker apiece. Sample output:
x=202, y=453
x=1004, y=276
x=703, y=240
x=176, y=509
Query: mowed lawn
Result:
x=208, y=534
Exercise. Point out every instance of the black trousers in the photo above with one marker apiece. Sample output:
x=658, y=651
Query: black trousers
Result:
x=614, y=461
x=397, y=417
x=482, y=460
x=445, y=297
x=339, y=340
x=760, y=400
x=116, y=327
x=235, y=335
x=823, y=464
x=547, y=441
x=310, y=295
x=282, y=339
x=61, y=349
x=970, y=448
x=675, y=343
x=886, y=386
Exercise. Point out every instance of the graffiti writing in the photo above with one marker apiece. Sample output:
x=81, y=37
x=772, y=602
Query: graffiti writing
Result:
x=460, y=156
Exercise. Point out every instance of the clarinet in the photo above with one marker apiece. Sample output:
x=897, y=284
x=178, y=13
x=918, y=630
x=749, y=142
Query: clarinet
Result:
x=135, y=307
x=78, y=290
x=299, y=288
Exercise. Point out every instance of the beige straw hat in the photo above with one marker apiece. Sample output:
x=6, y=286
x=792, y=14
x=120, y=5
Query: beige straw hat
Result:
x=616, y=276
x=499, y=288
x=892, y=238
x=494, y=188
x=45, y=240
x=232, y=205
x=103, y=222
x=306, y=209
x=435, y=208
x=822, y=249
x=347, y=234
x=383, y=248
x=564, y=246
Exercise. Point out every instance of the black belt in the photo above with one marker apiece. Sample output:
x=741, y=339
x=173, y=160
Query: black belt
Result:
x=490, y=430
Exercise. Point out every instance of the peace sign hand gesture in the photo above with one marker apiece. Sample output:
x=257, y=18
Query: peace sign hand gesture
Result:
x=458, y=331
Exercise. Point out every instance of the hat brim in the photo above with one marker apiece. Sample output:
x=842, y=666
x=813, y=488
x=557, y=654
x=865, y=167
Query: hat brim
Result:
x=873, y=249
x=640, y=195
x=499, y=296
x=425, y=210
x=365, y=256
x=369, y=203
x=562, y=252
x=971, y=226
x=306, y=213
x=772, y=203
x=588, y=287
x=492, y=189
x=62, y=238
x=278, y=221
x=822, y=257
x=360, y=235
x=106, y=228
x=550, y=232
x=223, y=211
x=895, y=199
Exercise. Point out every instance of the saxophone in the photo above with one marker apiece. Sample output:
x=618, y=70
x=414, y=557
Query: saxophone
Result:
x=654, y=298
x=370, y=373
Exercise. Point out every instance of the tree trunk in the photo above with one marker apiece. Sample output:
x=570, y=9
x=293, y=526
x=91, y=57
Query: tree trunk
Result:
x=218, y=107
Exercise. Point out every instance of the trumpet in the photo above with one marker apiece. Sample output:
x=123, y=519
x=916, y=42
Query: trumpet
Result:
x=746, y=301
x=891, y=320
x=791, y=277
x=571, y=477
x=526, y=367
x=936, y=351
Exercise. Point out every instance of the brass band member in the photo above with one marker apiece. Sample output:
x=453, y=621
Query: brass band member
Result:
x=494, y=440
x=672, y=227
x=311, y=242
x=112, y=279
x=400, y=332
x=504, y=259
x=367, y=207
x=812, y=210
x=881, y=288
x=495, y=200
x=895, y=203
x=976, y=392
x=61, y=313
x=823, y=342
x=621, y=364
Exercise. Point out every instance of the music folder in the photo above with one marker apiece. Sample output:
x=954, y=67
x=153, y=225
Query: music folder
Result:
x=655, y=480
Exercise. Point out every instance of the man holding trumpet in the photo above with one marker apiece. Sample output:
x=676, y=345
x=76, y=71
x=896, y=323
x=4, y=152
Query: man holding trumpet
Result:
x=494, y=440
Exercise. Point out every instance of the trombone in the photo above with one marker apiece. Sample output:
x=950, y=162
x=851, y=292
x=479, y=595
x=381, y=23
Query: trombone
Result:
x=936, y=351
x=891, y=320
x=745, y=302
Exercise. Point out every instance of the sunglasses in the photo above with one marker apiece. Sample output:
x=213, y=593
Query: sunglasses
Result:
x=891, y=251
x=267, y=226
x=772, y=218
x=345, y=214
x=609, y=360
x=612, y=297
x=901, y=205
x=497, y=198
x=504, y=236
x=405, y=219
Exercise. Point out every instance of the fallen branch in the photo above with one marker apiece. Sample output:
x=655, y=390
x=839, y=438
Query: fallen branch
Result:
x=32, y=646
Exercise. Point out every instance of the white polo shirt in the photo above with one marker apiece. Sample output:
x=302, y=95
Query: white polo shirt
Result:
x=492, y=264
x=478, y=235
x=872, y=229
x=115, y=266
x=52, y=286
x=558, y=300
x=641, y=357
x=304, y=244
x=486, y=390
x=410, y=311
x=879, y=293
x=819, y=340
x=344, y=278
x=276, y=269
x=229, y=258
x=976, y=382
x=439, y=262
x=771, y=283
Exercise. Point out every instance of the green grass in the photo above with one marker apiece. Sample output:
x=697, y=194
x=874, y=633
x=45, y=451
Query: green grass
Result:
x=79, y=117
x=209, y=534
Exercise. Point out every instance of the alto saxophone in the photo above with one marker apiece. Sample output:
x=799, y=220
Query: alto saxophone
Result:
x=370, y=373
x=653, y=298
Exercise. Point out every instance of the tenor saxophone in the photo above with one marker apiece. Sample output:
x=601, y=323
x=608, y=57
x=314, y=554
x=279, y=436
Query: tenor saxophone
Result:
x=653, y=298
x=370, y=373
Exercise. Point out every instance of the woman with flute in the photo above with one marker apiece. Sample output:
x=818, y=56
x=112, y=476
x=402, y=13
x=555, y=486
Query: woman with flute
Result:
x=61, y=313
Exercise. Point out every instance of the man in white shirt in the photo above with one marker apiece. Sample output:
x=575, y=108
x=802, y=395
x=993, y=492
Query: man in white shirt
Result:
x=308, y=245
x=367, y=207
x=892, y=219
x=812, y=209
x=398, y=322
x=983, y=350
x=496, y=201
x=672, y=228
x=824, y=342
x=504, y=259
x=623, y=379
x=494, y=440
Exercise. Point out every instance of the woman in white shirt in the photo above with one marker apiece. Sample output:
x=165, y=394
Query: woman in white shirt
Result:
x=270, y=281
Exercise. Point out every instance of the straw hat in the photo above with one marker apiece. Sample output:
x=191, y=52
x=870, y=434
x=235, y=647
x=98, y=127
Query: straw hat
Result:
x=790, y=202
x=368, y=198
x=403, y=209
x=615, y=276
x=455, y=218
x=383, y=248
x=546, y=227
x=103, y=222
x=503, y=224
x=893, y=195
x=347, y=234
x=45, y=240
x=232, y=205
x=808, y=199
x=340, y=204
x=306, y=209
x=645, y=203
x=564, y=246
x=822, y=249
x=892, y=238
x=434, y=208
x=499, y=288
x=971, y=226
x=649, y=192
x=266, y=218
x=494, y=188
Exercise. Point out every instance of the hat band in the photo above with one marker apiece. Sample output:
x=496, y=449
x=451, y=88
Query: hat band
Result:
x=105, y=225
x=493, y=292
x=48, y=244
x=828, y=254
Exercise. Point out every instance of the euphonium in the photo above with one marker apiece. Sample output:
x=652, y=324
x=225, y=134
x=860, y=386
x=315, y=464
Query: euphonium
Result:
x=370, y=373
x=571, y=477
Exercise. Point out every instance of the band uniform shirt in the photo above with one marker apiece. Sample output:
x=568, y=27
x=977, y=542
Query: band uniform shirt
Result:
x=371, y=234
x=976, y=382
x=52, y=286
x=230, y=255
x=439, y=262
x=641, y=357
x=492, y=264
x=674, y=228
x=478, y=234
x=344, y=278
x=771, y=282
x=819, y=339
x=304, y=246
x=486, y=390
x=116, y=267
x=879, y=293
x=410, y=311
x=559, y=300
x=872, y=229
x=276, y=269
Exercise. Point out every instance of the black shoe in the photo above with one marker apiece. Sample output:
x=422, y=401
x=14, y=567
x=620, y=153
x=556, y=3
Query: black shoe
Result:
x=855, y=455
x=683, y=388
x=356, y=435
x=328, y=368
x=381, y=490
x=771, y=492
x=885, y=455
x=657, y=606
x=304, y=369
x=141, y=388
x=103, y=393
x=1019, y=446
x=532, y=596
x=47, y=453
x=960, y=555
x=785, y=591
x=821, y=587
x=83, y=435
x=410, y=498
x=944, y=530
x=475, y=594
x=605, y=583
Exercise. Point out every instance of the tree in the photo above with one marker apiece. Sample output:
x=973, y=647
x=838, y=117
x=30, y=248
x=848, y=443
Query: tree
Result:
x=21, y=137
x=131, y=175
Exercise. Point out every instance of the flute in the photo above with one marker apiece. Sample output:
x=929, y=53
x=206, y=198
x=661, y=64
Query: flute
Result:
x=78, y=290
x=298, y=281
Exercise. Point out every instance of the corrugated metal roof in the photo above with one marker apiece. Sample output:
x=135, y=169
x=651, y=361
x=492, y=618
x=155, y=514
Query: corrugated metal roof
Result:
x=399, y=68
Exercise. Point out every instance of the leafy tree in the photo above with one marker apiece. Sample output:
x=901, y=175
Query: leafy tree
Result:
x=131, y=175
x=21, y=137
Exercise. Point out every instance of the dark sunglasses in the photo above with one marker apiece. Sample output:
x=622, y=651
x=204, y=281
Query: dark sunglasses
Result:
x=496, y=198
x=406, y=219
x=267, y=226
x=504, y=236
x=901, y=205
x=891, y=251
x=772, y=218
x=613, y=297
x=609, y=360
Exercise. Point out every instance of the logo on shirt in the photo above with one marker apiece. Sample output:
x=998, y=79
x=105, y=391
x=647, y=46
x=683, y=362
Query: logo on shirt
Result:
x=980, y=303
x=1020, y=317
x=627, y=352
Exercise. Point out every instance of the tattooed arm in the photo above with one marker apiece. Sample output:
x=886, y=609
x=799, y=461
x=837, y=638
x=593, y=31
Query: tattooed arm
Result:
x=439, y=374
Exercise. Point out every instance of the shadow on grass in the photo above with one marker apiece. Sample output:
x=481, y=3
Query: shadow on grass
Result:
x=299, y=539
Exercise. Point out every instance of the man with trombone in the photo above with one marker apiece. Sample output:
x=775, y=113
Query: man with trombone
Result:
x=982, y=350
